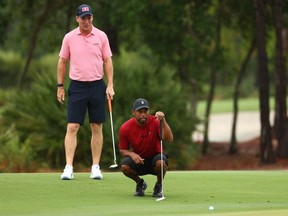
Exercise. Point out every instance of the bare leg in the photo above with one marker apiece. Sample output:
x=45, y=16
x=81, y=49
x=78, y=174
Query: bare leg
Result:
x=96, y=142
x=127, y=171
x=71, y=142
x=158, y=170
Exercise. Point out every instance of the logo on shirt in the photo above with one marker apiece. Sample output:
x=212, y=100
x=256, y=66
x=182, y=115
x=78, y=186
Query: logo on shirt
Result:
x=145, y=134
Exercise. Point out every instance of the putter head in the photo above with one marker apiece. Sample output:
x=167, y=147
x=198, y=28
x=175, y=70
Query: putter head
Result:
x=161, y=198
x=113, y=166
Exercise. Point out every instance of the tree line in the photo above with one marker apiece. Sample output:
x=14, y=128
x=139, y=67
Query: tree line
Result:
x=209, y=44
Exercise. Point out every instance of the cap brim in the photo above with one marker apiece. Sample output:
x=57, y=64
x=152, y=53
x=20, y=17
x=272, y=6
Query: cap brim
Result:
x=141, y=107
x=86, y=13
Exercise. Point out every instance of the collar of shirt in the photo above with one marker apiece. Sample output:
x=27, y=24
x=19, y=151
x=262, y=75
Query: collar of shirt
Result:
x=91, y=33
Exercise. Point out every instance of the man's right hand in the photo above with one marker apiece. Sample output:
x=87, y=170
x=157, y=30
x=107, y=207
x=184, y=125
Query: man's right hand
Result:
x=61, y=94
x=137, y=159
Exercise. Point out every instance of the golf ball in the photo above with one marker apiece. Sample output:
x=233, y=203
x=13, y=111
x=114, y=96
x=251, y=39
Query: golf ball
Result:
x=211, y=208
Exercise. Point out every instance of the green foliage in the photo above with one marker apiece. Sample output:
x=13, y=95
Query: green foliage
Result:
x=14, y=155
x=40, y=121
x=4, y=21
x=180, y=34
x=37, y=118
x=11, y=64
x=141, y=75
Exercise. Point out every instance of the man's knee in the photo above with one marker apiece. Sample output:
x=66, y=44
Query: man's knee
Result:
x=72, y=128
x=125, y=169
x=159, y=164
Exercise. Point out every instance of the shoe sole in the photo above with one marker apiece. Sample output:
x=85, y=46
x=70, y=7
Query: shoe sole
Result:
x=158, y=196
x=96, y=178
x=67, y=178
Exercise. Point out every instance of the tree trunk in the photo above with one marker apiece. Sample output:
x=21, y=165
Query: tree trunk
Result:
x=213, y=78
x=233, y=142
x=69, y=13
x=266, y=151
x=32, y=45
x=208, y=110
x=280, y=117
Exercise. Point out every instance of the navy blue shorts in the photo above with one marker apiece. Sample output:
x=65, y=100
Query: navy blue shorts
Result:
x=83, y=96
x=147, y=167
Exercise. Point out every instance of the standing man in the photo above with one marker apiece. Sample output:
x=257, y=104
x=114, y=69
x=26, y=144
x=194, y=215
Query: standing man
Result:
x=139, y=144
x=88, y=51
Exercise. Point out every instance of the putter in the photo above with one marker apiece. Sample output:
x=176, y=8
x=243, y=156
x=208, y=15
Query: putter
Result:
x=161, y=153
x=112, y=133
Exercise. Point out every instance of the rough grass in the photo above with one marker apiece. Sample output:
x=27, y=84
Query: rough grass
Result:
x=187, y=193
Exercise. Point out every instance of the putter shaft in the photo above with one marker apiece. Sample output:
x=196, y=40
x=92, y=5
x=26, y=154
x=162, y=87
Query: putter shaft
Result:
x=112, y=134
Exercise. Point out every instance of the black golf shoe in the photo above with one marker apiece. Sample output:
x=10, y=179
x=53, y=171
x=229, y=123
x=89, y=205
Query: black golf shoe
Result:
x=158, y=190
x=140, y=188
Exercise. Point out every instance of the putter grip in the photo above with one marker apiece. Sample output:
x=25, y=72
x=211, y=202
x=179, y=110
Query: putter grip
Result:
x=109, y=104
x=161, y=126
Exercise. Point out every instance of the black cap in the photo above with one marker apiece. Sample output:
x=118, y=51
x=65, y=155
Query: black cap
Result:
x=140, y=103
x=83, y=10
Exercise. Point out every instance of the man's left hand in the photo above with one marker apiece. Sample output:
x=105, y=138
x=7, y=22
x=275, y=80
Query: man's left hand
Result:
x=159, y=115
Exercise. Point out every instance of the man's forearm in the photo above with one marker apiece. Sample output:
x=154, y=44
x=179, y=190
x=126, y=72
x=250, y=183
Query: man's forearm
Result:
x=61, y=70
x=108, y=70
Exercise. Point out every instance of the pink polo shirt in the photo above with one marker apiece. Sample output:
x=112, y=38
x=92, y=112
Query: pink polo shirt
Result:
x=86, y=54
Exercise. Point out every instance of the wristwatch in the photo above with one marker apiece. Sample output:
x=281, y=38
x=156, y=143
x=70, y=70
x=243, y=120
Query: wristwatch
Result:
x=60, y=85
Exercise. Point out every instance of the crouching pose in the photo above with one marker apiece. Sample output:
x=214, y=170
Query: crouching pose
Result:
x=139, y=144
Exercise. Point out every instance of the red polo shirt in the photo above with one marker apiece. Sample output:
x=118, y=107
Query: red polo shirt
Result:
x=143, y=140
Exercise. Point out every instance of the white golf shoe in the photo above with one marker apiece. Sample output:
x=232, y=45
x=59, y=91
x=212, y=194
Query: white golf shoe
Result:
x=67, y=173
x=96, y=172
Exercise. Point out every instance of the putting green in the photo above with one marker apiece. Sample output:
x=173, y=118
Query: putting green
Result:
x=249, y=193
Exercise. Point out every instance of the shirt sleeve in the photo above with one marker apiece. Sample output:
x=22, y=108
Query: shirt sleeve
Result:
x=106, y=50
x=123, y=141
x=64, y=51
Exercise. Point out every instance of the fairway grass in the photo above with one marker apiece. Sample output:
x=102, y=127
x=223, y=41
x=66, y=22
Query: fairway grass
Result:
x=236, y=193
x=226, y=105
